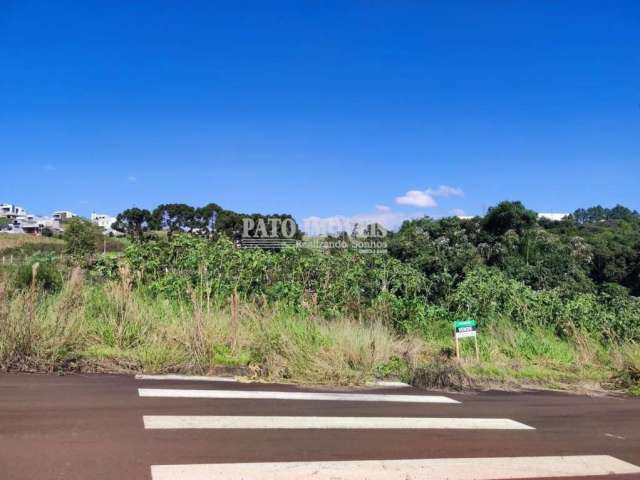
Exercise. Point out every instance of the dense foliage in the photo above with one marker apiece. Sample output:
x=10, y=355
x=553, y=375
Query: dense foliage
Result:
x=210, y=221
x=582, y=273
x=81, y=236
x=580, y=254
x=554, y=299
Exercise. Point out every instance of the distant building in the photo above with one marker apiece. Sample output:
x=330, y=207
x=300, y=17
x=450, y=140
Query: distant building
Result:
x=50, y=224
x=556, y=217
x=18, y=221
x=10, y=228
x=63, y=215
x=103, y=220
x=30, y=227
x=8, y=210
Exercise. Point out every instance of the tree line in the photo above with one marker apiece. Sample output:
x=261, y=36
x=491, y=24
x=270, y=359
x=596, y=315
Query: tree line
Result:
x=211, y=221
x=590, y=249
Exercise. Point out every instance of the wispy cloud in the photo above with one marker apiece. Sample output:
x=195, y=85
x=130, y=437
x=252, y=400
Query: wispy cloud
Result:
x=416, y=198
x=49, y=167
x=426, y=198
x=383, y=208
x=445, y=191
x=458, y=212
x=132, y=179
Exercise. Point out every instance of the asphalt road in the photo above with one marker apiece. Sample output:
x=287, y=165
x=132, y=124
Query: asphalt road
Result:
x=105, y=427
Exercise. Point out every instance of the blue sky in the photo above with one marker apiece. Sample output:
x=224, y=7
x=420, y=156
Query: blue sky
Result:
x=320, y=109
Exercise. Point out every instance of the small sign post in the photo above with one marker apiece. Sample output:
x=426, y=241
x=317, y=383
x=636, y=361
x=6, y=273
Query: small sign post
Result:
x=464, y=329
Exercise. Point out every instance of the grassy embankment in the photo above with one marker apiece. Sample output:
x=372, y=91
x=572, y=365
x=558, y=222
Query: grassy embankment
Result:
x=114, y=326
x=20, y=246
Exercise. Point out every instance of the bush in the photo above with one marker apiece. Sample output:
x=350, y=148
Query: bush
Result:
x=611, y=315
x=486, y=293
x=342, y=283
x=81, y=237
x=48, y=277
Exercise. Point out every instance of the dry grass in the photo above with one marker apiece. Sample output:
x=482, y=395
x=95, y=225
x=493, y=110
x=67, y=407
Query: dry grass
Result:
x=11, y=241
x=114, y=323
x=627, y=362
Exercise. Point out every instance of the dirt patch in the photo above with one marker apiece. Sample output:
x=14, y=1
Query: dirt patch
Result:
x=442, y=374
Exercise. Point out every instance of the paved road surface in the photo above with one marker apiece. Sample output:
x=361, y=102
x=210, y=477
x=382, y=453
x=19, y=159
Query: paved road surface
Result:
x=119, y=428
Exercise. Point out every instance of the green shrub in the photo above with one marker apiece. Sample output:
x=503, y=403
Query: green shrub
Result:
x=81, y=237
x=486, y=293
x=342, y=283
x=48, y=277
x=611, y=315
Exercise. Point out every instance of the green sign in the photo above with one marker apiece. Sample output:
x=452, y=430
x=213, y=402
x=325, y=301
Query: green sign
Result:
x=465, y=328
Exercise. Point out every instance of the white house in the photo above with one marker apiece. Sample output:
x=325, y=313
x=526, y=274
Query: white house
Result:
x=103, y=220
x=556, y=217
x=8, y=210
x=62, y=215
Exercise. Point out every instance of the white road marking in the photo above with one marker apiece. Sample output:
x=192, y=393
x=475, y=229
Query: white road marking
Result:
x=208, y=378
x=395, y=423
x=265, y=395
x=430, y=469
x=196, y=378
x=388, y=384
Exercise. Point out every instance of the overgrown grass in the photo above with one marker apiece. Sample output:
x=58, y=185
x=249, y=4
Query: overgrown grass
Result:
x=116, y=326
x=18, y=241
x=21, y=246
x=512, y=354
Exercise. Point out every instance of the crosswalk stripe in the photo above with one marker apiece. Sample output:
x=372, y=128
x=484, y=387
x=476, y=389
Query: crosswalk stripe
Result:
x=387, y=384
x=396, y=423
x=266, y=395
x=194, y=378
x=430, y=469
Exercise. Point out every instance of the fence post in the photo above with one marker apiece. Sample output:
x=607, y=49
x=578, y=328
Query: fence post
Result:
x=234, y=320
x=34, y=276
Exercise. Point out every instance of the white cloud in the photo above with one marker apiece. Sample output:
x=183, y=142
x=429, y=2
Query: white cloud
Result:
x=341, y=223
x=458, y=212
x=416, y=198
x=383, y=208
x=445, y=191
x=132, y=179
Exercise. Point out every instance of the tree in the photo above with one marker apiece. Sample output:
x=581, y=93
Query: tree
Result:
x=442, y=249
x=543, y=260
x=229, y=223
x=598, y=214
x=205, y=219
x=509, y=216
x=174, y=217
x=134, y=222
x=81, y=236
